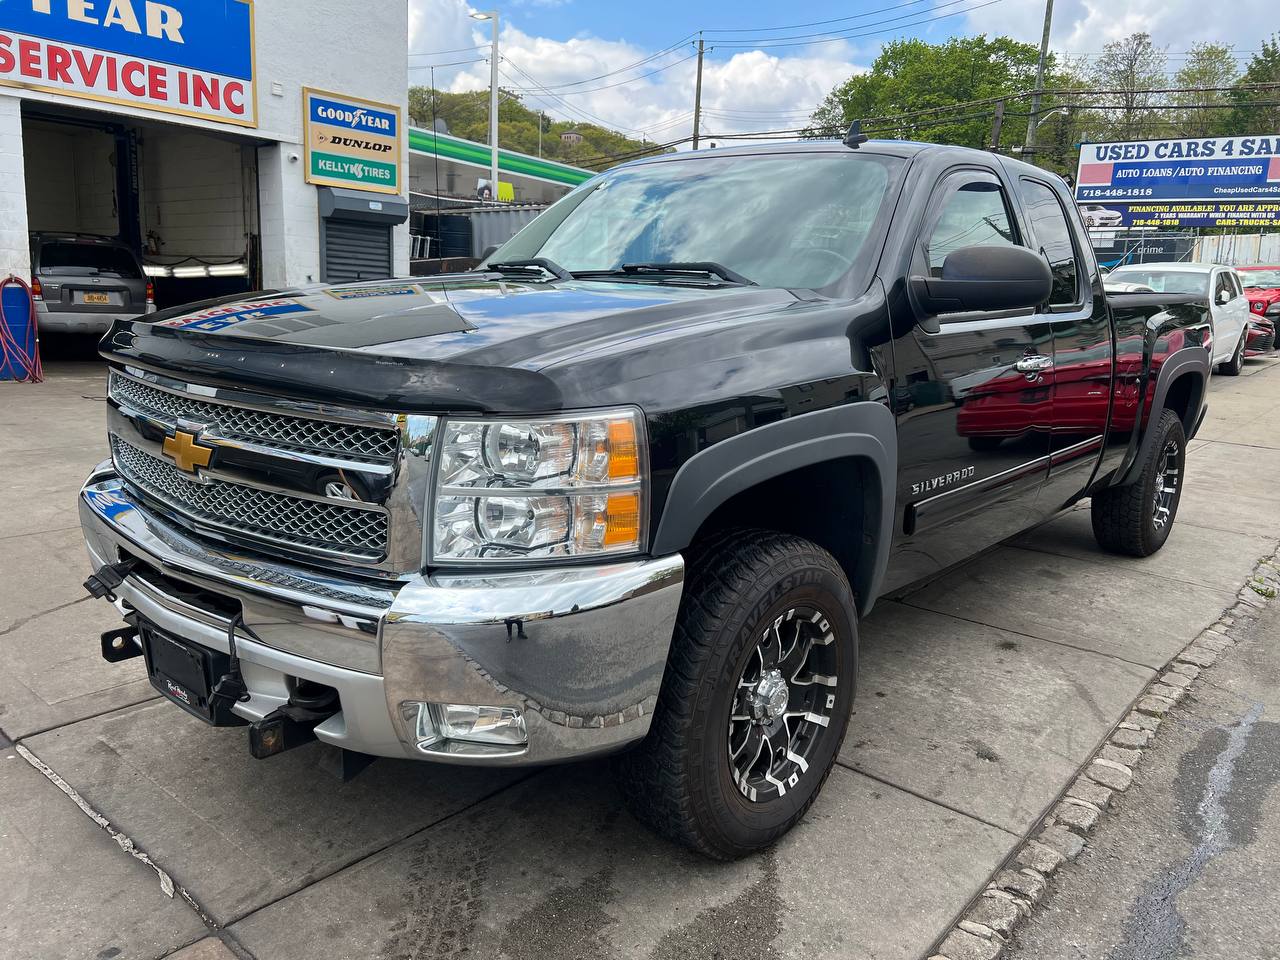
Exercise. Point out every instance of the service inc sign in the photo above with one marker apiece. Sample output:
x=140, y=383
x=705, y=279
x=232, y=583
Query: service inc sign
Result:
x=189, y=57
x=1214, y=181
x=351, y=142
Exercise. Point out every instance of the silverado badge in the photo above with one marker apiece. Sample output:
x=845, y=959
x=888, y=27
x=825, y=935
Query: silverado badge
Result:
x=186, y=451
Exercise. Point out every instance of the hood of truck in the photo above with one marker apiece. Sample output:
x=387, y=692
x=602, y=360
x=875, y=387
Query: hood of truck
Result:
x=464, y=343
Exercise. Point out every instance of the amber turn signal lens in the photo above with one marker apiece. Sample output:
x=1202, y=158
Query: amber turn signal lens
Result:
x=624, y=456
x=622, y=520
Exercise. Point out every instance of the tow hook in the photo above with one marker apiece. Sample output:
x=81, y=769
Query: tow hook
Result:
x=293, y=725
x=122, y=644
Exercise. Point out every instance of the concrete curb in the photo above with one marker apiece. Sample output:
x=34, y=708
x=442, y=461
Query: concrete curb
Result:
x=987, y=925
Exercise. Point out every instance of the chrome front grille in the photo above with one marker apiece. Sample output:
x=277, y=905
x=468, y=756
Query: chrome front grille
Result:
x=346, y=441
x=274, y=519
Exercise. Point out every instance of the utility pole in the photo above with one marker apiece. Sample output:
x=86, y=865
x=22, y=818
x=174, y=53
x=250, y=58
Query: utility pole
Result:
x=997, y=122
x=1030, y=146
x=541, y=120
x=492, y=17
x=697, y=97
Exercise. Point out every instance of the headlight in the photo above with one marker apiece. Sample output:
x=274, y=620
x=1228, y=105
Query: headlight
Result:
x=1274, y=309
x=540, y=488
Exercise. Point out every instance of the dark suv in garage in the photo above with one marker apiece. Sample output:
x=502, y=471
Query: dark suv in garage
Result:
x=83, y=283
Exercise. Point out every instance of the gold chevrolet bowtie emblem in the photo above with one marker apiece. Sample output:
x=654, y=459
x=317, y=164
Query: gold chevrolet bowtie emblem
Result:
x=186, y=452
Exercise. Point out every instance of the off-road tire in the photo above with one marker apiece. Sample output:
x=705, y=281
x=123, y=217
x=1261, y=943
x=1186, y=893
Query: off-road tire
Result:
x=1232, y=367
x=1124, y=518
x=678, y=780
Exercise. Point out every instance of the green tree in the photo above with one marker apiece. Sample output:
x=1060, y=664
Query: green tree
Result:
x=911, y=76
x=466, y=115
x=1200, y=112
x=1125, y=74
x=1256, y=110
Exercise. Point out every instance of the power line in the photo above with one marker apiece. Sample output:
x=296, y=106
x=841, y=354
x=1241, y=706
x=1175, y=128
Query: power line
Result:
x=438, y=53
x=803, y=40
x=814, y=23
x=623, y=83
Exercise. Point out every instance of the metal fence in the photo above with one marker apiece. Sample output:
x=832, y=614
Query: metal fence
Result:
x=1239, y=250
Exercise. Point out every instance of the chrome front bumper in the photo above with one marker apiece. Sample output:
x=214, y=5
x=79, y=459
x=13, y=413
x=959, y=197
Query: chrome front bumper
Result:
x=580, y=651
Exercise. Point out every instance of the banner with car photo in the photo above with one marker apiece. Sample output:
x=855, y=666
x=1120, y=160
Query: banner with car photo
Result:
x=1205, y=182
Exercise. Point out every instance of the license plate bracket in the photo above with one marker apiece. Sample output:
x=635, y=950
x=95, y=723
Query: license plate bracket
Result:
x=185, y=673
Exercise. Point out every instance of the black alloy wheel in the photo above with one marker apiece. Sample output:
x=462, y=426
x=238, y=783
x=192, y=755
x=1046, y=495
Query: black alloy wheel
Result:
x=756, y=697
x=783, y=704
x=1137, y=517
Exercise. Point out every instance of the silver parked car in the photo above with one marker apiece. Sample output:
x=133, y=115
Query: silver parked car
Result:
x=82, y=283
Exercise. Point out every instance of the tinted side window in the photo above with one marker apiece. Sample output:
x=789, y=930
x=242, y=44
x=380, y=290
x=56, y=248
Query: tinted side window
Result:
x=1223, y=285
x=1054, y=236
x=973, y=214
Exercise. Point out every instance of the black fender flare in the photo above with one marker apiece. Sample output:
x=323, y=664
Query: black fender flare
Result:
x=864, y=430
x=1188, y=361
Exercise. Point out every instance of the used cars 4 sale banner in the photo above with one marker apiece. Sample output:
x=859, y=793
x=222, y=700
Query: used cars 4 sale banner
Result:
x=190, y=57
x=1207, y=182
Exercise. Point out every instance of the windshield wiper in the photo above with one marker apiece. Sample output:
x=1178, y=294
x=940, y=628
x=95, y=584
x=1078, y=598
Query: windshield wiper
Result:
x=533, y=263
x=707, y=268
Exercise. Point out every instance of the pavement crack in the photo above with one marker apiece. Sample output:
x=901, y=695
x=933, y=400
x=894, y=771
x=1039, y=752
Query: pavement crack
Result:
x=167, y=886
x=1155, y=929
x=23, y=621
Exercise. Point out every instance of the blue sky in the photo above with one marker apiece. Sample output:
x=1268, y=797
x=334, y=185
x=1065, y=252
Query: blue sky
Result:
x=665, y=21
x=552, y=51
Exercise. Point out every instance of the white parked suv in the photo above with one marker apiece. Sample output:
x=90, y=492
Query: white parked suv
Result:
x=1221, y=285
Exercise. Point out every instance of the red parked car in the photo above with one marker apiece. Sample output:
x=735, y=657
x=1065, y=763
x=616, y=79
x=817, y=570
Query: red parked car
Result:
x=1262, y=287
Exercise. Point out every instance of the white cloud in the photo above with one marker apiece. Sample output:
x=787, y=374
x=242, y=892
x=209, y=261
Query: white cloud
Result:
x=1084, y=26
x=742, y=91
x=747, y=90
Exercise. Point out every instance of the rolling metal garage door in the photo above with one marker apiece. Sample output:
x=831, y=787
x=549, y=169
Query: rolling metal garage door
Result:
x=356, y=251
x=355, y=234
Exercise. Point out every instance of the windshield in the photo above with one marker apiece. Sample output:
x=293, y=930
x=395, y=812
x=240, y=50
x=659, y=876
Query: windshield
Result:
x=798, y=220
x=1261, y=278
x=1165, y=281
x=69, y=259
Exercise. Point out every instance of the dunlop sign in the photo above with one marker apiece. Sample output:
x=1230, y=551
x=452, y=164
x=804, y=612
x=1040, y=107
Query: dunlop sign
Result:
x=187, y=57
x=352, y=142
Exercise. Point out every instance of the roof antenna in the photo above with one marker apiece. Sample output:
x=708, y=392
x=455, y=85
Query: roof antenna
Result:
x=855, y=135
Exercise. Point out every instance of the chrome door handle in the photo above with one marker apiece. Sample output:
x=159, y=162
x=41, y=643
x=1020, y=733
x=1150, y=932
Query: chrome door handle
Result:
x=1033, y=364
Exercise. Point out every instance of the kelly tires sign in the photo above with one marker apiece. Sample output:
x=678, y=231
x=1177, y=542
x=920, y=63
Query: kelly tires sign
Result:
x=351, y=142
x=1213, y=181
x=188, y=57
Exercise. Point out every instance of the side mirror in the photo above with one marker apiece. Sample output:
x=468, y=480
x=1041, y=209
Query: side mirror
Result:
x=985, y=278
x=1224, y=297
x=489, y=251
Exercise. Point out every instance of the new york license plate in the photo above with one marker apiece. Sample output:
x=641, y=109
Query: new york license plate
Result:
x=97, y=298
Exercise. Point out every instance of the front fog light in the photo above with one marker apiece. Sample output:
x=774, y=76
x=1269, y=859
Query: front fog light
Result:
x=435, y=722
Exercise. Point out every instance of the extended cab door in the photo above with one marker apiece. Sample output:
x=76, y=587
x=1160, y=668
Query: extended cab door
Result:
x=1083, y=351
x=970, y=396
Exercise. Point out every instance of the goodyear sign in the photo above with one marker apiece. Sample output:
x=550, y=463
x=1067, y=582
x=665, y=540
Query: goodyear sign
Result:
x=1208, y=181
x=188, y=57
x=351, y=142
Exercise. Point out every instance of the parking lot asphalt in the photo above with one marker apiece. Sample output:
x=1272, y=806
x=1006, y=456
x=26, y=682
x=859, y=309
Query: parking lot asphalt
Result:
x=981, y=696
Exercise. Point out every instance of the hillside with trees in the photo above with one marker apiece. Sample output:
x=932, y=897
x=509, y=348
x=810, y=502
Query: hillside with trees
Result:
x=467, y=115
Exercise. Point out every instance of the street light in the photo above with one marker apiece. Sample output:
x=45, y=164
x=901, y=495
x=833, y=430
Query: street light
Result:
x=492, y=17
x=1059, y=112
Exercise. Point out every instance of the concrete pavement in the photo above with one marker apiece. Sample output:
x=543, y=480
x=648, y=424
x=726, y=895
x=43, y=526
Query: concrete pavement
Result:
x=981, y=696
x=1188, y=861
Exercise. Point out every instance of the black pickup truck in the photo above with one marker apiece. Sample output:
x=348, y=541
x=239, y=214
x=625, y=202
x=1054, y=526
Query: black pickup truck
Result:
x=629, y=487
